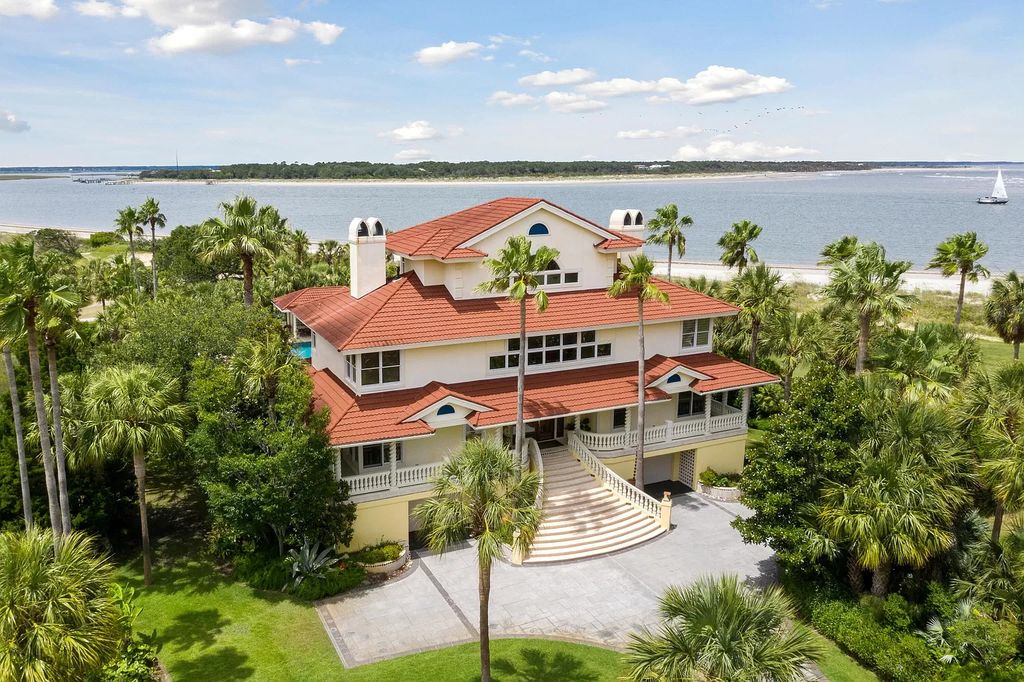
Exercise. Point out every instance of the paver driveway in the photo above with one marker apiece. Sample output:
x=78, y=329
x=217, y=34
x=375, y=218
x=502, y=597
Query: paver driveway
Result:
x=595, y=600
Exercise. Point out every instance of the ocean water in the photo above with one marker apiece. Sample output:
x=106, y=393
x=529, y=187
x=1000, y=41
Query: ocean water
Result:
x=908, y=211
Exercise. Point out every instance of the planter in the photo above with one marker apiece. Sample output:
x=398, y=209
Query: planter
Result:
x=720, y=494
x=389, y=566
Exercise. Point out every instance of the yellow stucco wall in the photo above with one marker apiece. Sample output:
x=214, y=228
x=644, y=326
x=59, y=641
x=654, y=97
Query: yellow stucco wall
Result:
x=724, y=455
x=386, y=519
x=433, y=448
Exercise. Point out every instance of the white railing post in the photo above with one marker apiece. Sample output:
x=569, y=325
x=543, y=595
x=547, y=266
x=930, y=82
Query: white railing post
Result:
x=393, y=474
x=666, y=511
x=746, y=403
x=668, y=429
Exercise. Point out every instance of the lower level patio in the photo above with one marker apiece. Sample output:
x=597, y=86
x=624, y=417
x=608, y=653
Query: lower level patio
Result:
x=597, y=600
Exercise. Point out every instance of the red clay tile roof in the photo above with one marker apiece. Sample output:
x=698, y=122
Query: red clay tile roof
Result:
x=380, y=416
x=405, y=312
x=441, y=236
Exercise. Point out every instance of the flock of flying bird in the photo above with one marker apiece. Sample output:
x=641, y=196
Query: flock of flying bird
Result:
x=764, y=112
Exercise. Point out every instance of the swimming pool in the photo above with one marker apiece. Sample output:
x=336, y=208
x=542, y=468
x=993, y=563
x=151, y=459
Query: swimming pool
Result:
x=303, y=349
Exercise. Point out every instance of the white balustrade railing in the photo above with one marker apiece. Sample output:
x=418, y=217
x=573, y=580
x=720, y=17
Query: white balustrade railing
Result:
x=537, y=465
x=611, y=480
x=383, y=480
x=665, y=432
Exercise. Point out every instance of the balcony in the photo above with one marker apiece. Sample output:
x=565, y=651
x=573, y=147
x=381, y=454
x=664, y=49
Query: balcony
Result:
x=398, y=481
x=724, y=420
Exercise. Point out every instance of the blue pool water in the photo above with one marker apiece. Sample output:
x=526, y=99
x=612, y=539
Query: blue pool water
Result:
x=303, y=349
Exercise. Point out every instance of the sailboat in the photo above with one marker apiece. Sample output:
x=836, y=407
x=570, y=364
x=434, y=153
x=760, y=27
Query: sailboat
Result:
x=998, y=195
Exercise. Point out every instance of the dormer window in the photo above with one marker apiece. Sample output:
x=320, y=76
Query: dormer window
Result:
x=538, y=230
x=373, y=369
x=554, y=276
x=445, y=410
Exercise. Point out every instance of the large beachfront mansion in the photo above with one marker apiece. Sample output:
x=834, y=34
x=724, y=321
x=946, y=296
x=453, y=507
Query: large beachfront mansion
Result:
x=411, y=368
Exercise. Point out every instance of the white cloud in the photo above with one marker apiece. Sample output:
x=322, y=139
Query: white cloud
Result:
x=535, y=56
x=324, y=32
x=645, y=134
x=511, y=99
x=447, y=52
x=227, y=37
x=176, y=13
x=9, y=123
x=713, y=84
x=546, y=79
x=572, y=102
x=292, y=61
x=731, y=150
x=96, y=8
x=412, y=155
x=37, y=9
x=454, y=131
x=413, y=131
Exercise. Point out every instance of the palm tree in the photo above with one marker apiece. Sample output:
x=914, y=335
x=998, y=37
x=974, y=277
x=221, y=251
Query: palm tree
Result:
x=735, y=244
x=993, y=409
x=761, y=295
x=58, y=617
x=300, y=246
x=926, y=362
x=329, y=250
x=959, y=255
x=258, y=365
x=150, y=213
x=35, y=294
x=666, y=229
x=718, y=630
x=1004, y=310
x=135, y=411
x=840, y=250
x=514, y=273
x=871, y=286
x=792, y=338
x=19, y=434
x=98, y=279
x=245, y=232
x=482, y=492
x=129, y=224
x=637, y=279
x=900, y=506
x=57, y=324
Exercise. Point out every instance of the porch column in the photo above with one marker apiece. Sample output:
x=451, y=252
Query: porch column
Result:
x=707, y=413
x=629, y=420
x=746, y=403
x=337, y=464
x=577, y=422
x=295, y=325
x=393, y=450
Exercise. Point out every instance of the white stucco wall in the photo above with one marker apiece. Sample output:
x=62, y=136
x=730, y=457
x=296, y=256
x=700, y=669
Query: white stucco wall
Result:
x=434, y=448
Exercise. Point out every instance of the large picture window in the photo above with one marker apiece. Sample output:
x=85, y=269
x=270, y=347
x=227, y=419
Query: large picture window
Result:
x=378, y=454
x=696, y=333
x=380, y=368
x=551, y=349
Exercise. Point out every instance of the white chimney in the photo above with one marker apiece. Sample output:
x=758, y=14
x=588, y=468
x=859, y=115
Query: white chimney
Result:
x=366, y=256
x=629, y=221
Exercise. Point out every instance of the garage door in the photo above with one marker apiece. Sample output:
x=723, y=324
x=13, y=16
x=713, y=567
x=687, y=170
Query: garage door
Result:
x=657, y=469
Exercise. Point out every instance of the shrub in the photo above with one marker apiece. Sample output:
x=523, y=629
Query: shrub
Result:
x=985, y=640
x=334, y=582
x=976, y=672
x=262, y=571
x=940, y=602
x=713, y=479
x=897, y=613
x=103, y=238
x=894, y=655
x=386, y=550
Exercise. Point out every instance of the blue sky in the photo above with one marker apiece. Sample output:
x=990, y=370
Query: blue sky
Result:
x=221, y=81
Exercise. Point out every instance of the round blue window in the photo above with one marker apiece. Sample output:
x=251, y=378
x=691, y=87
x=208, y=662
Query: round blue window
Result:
x=445, y=409
x=674, y=379
x=538, y=229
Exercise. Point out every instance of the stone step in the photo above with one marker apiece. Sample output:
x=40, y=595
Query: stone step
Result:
x=572, y=498
x=583, y=551
x=589, y=525
x=568, y=518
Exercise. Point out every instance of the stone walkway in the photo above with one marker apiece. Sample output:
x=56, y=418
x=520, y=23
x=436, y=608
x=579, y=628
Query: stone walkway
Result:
x=596, y=600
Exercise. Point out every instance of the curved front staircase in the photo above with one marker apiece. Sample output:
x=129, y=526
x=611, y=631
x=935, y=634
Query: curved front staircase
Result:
x=583, y=518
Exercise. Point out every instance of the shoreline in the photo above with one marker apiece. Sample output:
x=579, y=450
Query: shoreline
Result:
x=792, y=273
x=553, y=180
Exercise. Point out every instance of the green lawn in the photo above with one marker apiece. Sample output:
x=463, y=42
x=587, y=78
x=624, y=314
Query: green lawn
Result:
x=209, y=627
x=838, y=667
x=995, y=354
x=106, y=251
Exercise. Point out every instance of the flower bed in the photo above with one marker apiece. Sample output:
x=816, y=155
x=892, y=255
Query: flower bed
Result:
x=384, y=557
x=718, y=486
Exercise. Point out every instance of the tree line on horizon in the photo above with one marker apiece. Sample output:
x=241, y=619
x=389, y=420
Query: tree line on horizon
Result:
x=367, y=170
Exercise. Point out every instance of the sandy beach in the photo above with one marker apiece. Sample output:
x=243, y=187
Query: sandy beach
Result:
x=924, y=280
